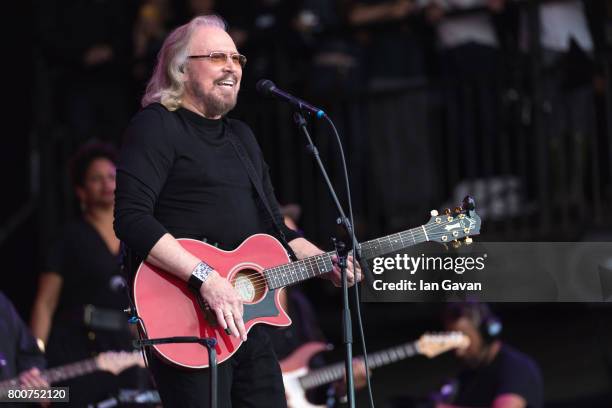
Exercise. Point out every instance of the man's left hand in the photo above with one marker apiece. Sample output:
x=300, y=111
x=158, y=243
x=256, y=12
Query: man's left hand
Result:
x=352, y=275
x=304, y=249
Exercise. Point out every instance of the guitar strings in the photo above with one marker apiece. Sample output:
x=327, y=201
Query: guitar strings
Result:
x=281, y=271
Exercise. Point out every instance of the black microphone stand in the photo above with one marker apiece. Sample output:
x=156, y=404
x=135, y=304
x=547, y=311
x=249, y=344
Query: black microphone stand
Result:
x=208, y=342
x=342, y=253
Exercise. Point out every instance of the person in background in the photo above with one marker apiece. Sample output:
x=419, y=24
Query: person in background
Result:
x=20, y=355
x=496, y=375
x=567, y=51
x=78, y=310
x=86, y=45
x=470, y=63
x=153, y=19
x=391, y=35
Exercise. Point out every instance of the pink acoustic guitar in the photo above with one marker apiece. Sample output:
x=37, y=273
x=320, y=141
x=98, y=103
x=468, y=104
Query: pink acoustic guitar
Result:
x=257, y=269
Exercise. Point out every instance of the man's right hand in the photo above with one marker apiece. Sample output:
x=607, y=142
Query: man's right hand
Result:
x=223, y=299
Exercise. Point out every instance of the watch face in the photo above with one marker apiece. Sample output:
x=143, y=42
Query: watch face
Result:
x=199, y=275
x=202, y=270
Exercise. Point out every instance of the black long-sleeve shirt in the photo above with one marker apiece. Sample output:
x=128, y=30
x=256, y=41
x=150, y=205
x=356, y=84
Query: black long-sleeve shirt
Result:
x=179, y=173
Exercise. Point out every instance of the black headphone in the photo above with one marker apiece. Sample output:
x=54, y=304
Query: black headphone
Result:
x=488, y=324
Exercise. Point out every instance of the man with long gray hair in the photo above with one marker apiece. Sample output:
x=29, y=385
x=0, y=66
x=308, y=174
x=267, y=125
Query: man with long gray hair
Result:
x=180, y=175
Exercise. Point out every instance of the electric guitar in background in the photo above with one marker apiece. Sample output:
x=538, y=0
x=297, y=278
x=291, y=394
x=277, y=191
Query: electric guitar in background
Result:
x=298, y=378
x=112, y=361
x=257, y=269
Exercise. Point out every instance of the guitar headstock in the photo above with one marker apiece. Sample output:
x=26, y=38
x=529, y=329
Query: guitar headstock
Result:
x=117, y=361
x=454, y=224
x=432, y=345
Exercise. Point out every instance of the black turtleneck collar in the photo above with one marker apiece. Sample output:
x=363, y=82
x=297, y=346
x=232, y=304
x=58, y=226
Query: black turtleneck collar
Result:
x=211, y=127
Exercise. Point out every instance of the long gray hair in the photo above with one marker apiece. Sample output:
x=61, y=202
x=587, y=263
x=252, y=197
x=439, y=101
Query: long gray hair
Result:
x=165, y=85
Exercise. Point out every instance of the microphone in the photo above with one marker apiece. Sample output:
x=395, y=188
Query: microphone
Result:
x=268, y=88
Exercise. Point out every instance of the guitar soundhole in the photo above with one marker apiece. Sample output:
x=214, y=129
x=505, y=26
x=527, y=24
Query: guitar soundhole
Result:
x=250, y=285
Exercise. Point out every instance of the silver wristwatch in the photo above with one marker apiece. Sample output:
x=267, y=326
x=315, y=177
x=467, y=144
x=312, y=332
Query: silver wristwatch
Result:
x=199, y=275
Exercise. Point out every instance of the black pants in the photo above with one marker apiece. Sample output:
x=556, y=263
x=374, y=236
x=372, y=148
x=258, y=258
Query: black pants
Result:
x=250, y=378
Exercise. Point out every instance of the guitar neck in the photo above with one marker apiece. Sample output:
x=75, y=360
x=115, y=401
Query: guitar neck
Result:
x=334, y=372
x=295, y=272
x=57, y=374
x=394, y=242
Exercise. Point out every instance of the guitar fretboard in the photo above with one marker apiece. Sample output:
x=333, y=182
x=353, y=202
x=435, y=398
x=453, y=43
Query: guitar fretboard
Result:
x=54, y=375
x=335, y=372
x=295, y=272
x=394, y=242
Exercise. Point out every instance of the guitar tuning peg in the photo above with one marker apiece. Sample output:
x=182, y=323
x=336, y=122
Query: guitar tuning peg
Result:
x=456, y=244
x=434, y=213
x=447, y=211
x=468, y=240
x=458, y=210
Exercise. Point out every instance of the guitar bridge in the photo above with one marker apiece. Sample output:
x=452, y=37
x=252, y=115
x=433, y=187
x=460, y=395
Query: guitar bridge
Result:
x=209, y=314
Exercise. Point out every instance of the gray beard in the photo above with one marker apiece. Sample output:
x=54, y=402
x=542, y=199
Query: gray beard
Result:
x=212, y=104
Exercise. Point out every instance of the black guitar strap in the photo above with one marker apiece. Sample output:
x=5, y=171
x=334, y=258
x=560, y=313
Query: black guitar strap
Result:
x=257, y=183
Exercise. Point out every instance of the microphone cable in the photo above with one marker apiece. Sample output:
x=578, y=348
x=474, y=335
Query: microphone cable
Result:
x=363, y=263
